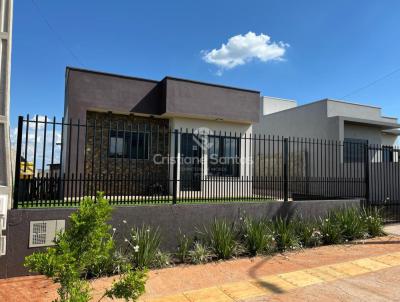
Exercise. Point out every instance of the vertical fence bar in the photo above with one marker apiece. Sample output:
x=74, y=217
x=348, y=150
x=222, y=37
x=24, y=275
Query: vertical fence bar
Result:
x=366, y=172
x=18, y=162
x=175, y=168
x=285, y=169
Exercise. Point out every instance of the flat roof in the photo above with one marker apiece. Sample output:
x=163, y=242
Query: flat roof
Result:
x=382, y=124
x=155, y=81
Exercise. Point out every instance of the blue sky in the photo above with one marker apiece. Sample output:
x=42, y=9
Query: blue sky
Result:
x=335, y=47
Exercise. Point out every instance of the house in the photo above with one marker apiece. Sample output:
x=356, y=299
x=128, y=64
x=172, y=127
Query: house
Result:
x=330, y=140
x=134, y=128
x=327, y=119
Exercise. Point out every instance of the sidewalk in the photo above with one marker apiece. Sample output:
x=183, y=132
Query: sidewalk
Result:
x=243, y=279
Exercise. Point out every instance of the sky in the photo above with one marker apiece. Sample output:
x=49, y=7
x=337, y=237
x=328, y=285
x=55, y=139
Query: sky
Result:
x=305, y=51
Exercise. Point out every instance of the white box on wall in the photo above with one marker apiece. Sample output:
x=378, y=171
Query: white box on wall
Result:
x=3, y=246
x=43, y=232
x=3, y=212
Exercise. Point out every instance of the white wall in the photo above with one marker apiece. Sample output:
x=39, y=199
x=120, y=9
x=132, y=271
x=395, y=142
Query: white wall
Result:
x=216, y=186
x=271, y=105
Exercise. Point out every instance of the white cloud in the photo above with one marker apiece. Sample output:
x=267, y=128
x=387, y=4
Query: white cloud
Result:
x=242, y=49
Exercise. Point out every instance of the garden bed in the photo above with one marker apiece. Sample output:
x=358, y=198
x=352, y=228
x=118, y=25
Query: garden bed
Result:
x=87, y=251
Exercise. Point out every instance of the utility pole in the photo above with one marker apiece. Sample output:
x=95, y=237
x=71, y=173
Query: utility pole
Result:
x=6, y=16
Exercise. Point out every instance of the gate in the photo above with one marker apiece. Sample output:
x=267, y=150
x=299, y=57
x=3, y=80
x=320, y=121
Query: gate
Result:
x=384, y=184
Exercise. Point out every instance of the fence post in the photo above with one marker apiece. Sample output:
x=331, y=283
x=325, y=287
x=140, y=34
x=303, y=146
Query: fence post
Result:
x=285, y=169
x=175, y=168
x=366, y=167
x=18, y=162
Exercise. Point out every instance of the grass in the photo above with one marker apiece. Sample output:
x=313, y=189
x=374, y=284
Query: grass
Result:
x=142, y=202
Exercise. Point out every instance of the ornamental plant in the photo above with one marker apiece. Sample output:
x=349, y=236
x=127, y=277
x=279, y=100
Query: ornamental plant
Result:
x=144, y=244
x=373, y=221
x=285, y=234
x=222, y=238
x=351, y=223
x=85, y=251
x=257, y=236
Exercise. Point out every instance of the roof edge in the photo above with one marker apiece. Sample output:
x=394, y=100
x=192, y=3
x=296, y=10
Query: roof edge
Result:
x=210, y=84
x=69, y=68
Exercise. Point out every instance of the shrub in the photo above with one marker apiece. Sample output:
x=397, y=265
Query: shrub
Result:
x=144, y=244
x=131, y=285
x=161, y=260
x=330, y=230
x=307, y=232
x=184, y=244
x=199, y=254
x=373, y=221
x=221, y=236
x=257, y=236
x=83, y=251
x=350, y=222
x=285, y=235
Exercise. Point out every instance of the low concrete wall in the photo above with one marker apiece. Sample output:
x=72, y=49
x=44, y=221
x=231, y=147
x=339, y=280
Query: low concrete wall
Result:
x=169, y=218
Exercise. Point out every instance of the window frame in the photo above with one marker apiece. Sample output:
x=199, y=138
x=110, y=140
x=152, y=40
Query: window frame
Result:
x=354, y=144
x=127, y=140
x=233, y=167
x=390, y=150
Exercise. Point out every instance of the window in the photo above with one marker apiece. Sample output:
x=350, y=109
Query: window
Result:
x=354, y=150
x=387, y=154
x=224, y=156
x=129, y=145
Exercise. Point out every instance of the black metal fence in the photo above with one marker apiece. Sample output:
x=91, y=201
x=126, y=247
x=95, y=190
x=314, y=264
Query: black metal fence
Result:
x=135, y=162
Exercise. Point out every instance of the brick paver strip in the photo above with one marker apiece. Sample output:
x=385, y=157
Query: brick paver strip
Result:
x=281, y=283
x=178, y=284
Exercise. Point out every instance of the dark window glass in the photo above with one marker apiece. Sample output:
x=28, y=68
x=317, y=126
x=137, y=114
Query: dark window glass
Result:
x=129, y=144
x=354, y=150
x=387, y=154
x=224, y=156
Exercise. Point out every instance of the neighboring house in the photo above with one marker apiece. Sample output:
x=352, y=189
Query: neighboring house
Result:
x=132, y=122
x=330, y=120
x=347, y=136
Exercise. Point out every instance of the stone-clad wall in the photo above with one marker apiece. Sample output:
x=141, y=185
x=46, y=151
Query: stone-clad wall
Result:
x=126, y=176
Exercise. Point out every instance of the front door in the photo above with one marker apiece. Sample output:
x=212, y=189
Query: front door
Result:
x=190, y=168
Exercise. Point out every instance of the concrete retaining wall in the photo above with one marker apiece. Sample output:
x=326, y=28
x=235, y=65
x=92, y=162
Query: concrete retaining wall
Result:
x=169, y=218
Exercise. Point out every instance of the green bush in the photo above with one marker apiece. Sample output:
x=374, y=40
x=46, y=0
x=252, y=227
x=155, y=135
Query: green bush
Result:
x=199, y=254
x=144, y=244
x=330, y=230
x=161, y=260
x=257, y=236
x=307, y=232
x=373, y=221
x=85, y=250
x=285, y=234
x=221, y=236
x=184, y=244
x=350, y=222
x=130, y=286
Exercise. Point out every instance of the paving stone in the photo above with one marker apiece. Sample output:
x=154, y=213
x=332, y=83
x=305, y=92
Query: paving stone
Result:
x=273, y=284
x=242, y=290
x=370, y=264
x=349, y=268
x=388, y=259
x=172, y=298
x=300, y=278
x=211, y=294
x=326, y=273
